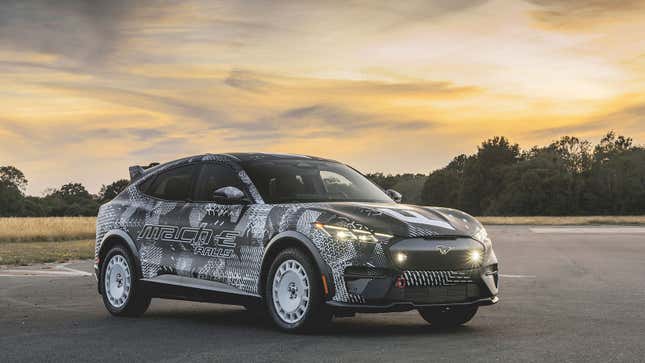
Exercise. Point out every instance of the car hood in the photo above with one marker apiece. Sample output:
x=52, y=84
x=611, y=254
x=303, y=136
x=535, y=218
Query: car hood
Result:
x=403, y=220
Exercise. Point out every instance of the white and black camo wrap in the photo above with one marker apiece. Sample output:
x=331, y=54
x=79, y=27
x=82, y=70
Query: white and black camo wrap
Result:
x=251, y=226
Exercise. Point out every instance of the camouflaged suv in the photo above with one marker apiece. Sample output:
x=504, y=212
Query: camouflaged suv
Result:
x=299, y=237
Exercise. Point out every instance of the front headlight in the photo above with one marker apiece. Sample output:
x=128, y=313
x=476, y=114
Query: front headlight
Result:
x=352, y=235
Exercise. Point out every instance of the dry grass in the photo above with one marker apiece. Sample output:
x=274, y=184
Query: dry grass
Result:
x=587, y=220
x=46, y=229
x=19, y=253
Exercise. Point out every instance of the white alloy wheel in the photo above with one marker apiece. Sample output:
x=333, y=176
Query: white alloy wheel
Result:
x=118, y=281
x=291, y=291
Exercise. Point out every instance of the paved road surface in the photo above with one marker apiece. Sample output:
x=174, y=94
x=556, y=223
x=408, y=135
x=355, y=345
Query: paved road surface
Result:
x=565, y=297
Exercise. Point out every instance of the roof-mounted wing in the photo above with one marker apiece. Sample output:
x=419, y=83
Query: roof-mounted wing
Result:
x=137, y=171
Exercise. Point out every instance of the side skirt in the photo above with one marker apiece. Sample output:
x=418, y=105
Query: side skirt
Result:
x=192, y=289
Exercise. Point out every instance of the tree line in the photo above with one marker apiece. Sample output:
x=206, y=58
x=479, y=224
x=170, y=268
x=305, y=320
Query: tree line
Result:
x=569, y=176
x=71, y=199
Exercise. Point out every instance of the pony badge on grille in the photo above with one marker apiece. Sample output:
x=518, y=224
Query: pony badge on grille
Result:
x=444, y=249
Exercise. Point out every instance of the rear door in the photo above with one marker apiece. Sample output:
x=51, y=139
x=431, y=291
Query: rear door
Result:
x=164, y=237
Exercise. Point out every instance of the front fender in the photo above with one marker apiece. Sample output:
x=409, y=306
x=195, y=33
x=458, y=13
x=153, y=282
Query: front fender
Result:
x=290, y=238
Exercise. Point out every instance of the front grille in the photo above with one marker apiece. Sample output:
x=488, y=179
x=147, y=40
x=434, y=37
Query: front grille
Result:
x=435, y=254
x=436, y=278
x=444, y=294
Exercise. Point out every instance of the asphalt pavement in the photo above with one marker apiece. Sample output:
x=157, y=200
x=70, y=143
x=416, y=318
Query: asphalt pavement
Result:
x=572, y=294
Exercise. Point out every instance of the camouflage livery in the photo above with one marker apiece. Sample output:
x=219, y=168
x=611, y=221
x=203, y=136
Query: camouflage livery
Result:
x=227, y=243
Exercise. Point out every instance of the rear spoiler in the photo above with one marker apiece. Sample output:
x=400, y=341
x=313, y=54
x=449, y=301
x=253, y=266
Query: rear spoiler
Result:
x=137, y=171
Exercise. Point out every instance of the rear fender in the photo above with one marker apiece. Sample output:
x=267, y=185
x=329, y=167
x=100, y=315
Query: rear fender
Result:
x=112, y=238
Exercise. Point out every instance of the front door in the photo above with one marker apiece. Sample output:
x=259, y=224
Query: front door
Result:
x=227, y=253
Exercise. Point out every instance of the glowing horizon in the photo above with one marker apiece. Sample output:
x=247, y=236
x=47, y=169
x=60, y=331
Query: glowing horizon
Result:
x=90, y=88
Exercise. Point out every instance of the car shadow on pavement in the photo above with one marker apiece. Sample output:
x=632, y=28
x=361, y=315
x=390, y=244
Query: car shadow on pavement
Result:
x=377, y=329
x=232, y=318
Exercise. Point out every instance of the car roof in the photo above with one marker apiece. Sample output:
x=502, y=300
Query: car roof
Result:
x=234, y=157
x=238, y=157
x=271, y=156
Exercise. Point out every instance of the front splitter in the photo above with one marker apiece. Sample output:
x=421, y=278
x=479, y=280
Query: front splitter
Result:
x=403, y=306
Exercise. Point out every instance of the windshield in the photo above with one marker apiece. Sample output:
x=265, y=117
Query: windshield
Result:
x=303, y=181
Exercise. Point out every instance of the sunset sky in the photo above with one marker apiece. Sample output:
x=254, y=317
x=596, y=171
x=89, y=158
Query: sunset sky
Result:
x=89, y=87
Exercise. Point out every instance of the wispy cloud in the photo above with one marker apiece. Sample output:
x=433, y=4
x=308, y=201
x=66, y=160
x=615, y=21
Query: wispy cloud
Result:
x=245, y=80
x=629, y=120
x=137, y=99
x=83, y=31
x=580, y=14
x=320, y=121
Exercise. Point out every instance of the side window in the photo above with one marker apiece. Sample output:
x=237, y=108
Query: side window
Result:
x=213, y=177
x=175, y=184
x=144, y=186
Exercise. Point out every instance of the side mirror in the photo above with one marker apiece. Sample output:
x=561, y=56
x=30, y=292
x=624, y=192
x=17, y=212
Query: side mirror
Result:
x=229, y=195
x=396, y=196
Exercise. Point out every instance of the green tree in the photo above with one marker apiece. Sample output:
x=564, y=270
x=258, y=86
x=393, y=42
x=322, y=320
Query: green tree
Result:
x=11, y=175
x=617, y=180
x=12, y=186
x=72, y=199
x=71, y=192
x=483, y=177
x=110, y=191
x=539, y=185
x=442, y=186
x=384, y=181
x=409, y=185
x=611, y=145
x=574, y=152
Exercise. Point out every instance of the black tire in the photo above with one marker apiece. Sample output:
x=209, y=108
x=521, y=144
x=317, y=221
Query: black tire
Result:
x=137, y=302
x=448, y=317
x=316, y=314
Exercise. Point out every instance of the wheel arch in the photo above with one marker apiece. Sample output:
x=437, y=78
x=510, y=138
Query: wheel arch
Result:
x=111, y=239
x=295, y=239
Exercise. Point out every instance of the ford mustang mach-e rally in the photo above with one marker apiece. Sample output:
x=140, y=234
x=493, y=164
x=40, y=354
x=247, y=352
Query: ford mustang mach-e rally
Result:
x=300, y=237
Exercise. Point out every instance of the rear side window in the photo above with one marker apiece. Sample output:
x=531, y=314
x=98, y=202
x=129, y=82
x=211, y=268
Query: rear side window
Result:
x=213, y=177
x=175, y=184
x=144, y=186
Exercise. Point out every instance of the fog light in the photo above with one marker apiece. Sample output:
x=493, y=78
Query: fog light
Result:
x=475, y=257
x=400, y=283
x=400, y=257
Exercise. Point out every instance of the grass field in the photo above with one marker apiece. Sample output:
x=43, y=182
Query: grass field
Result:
x=47, y=229
x=33, y=240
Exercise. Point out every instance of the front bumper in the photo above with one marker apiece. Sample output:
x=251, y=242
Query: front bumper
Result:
x=426, y=278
